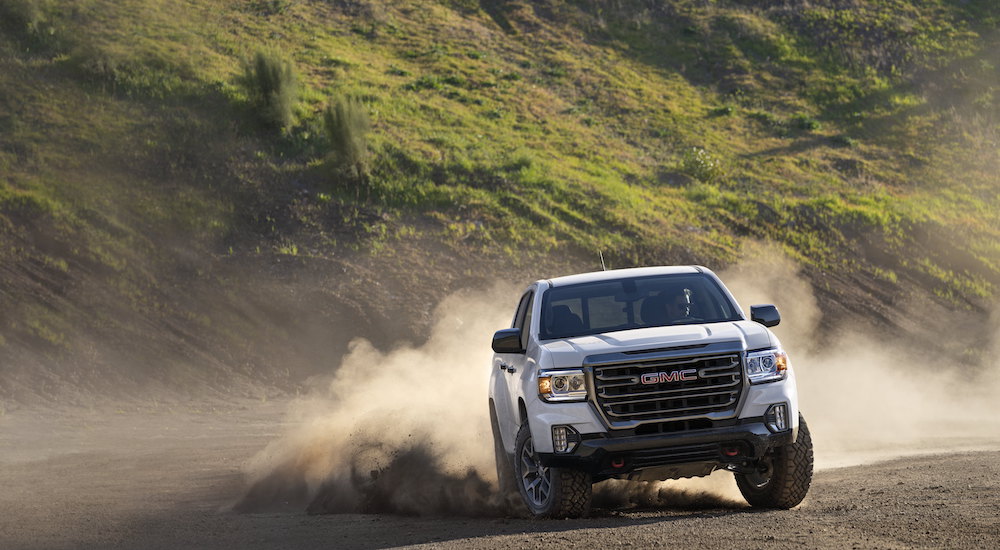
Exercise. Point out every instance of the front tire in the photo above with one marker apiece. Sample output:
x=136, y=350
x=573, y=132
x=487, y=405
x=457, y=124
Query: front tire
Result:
x=546, y=491
x=782, y=476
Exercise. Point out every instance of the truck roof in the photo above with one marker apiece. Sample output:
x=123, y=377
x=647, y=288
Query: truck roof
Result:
x=613, y=274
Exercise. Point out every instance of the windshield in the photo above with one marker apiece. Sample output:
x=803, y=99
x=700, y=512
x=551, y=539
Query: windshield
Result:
x=625, y=304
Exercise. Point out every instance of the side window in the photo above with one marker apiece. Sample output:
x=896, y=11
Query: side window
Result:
x=521, y=307
x=522, y=319
x=526, y=327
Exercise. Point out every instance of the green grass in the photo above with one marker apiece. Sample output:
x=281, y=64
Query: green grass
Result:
x=655, y=132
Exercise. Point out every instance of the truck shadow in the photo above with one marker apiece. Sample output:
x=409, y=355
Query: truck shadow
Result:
x=198, y=527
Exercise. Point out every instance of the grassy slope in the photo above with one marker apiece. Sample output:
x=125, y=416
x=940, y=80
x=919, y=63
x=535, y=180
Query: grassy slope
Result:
x=860, y=136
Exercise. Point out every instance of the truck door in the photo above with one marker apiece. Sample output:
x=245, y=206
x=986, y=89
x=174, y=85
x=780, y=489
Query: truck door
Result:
x=511, y=366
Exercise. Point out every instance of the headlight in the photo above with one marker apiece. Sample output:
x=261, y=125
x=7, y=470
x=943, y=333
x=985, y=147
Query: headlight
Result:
x=766, y=366
x=562, y=385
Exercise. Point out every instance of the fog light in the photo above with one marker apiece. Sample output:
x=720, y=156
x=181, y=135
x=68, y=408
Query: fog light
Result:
x=776, y=417
x=564, y=439
x=559, y=441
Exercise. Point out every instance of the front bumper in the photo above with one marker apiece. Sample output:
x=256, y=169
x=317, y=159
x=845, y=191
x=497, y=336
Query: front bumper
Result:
x=605, y=456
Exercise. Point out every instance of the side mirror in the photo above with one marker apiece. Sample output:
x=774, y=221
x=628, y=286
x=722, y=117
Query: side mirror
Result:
x=507, y=340
x=765, y=314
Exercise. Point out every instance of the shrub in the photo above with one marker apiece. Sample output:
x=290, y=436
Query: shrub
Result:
x=426, y=82
x=701, y=165
x=725, y=110
x=272, y=85
x=805, y=122
x=347, y=126
x=844, y=141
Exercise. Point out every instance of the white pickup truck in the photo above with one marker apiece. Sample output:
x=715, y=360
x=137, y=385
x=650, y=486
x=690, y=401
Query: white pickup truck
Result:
x=643, y=374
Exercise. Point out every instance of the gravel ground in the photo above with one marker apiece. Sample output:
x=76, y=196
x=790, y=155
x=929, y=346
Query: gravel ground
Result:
x=167, y=477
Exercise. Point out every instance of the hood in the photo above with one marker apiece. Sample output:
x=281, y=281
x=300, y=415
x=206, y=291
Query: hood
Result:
x=571, y=352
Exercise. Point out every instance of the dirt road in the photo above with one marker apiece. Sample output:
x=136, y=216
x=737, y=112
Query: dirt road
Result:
x=166, y=476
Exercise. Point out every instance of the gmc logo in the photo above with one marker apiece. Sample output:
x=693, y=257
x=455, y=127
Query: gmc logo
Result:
x=672, y=376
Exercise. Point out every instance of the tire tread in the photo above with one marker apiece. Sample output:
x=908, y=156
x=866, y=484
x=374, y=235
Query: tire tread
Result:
x=791, y=478
x=575, y=496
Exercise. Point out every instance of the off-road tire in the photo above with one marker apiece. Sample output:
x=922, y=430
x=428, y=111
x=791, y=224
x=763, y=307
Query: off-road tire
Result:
x=569, y=491
x=785, y=476
x=504, y=463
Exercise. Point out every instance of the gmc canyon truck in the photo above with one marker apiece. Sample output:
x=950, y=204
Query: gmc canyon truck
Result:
x=643, y=374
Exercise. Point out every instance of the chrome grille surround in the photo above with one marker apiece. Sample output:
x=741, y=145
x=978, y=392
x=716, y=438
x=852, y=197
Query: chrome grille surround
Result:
x=624, y=402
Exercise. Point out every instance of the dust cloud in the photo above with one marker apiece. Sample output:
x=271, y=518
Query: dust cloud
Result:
x=405, y=431
x=711, y=492
x=866, y=396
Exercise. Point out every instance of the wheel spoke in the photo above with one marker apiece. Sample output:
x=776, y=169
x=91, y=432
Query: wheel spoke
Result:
x=544, y=486
x=529, y=464
x=532, y=490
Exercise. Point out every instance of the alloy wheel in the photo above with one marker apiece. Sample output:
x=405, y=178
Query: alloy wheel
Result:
x=535, y=477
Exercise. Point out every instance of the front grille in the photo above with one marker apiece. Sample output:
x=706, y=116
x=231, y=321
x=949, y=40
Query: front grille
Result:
x=624, y=399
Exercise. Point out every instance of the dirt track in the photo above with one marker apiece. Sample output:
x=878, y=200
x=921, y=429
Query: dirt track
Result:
x=166, y=477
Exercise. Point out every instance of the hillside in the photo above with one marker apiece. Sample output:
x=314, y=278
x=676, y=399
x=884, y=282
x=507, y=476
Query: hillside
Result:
x=164, y=223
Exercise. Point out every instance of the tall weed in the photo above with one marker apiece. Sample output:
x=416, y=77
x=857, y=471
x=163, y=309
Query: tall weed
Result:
x=347, y=126
x=272, y=85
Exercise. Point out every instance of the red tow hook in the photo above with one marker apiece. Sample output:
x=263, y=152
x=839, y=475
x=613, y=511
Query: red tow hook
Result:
x=731, y=451
x=617, y=462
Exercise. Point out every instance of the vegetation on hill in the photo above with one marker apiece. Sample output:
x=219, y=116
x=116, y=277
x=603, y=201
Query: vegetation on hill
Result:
x=145, y=145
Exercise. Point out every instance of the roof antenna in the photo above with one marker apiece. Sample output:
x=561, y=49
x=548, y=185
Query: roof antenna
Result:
x=604, y=267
